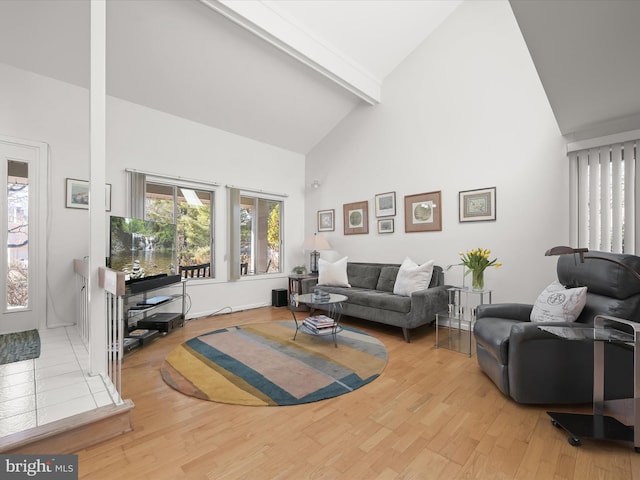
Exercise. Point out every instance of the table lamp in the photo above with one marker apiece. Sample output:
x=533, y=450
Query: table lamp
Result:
x=314, y=243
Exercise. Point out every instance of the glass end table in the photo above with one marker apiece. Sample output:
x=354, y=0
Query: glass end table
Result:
x=454, y=327
x=321, y=325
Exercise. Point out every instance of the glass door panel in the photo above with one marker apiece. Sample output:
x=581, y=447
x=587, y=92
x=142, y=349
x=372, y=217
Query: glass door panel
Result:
x=17, y=293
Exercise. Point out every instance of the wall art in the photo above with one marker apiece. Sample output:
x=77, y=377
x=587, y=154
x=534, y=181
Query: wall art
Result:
x=385, y=225
x=423, y=212
x=356, y=218
x=326, y=220
x=477, y=205
x=386, y=204
x=77, y=194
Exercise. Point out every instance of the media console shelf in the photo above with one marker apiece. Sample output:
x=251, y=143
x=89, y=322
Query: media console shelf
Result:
x=150, y=311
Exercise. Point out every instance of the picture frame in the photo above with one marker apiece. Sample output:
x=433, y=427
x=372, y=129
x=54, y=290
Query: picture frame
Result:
x=385, y=204
x=326, y=220
x=356, y=218
x=477, y=205
x=423, y=212
x=77, y=194
x=385, y=225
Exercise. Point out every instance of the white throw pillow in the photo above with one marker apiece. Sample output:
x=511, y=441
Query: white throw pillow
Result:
x=333, y=274
x=330, y=255
x=412, y=277
x=559, y=304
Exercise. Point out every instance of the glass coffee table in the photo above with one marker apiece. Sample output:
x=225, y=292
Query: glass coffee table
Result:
x=319, y=325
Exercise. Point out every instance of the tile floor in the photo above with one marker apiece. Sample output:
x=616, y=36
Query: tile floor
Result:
x=54, y=386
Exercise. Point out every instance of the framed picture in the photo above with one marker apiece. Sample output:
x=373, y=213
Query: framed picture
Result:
x=326, y=220
x=423, y=212
x=356, y=218
x=385, y=225
x=477, y=205
x=386, y=204
x=77, y=194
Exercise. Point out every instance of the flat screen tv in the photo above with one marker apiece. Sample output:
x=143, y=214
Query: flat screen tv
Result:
x=142, y=248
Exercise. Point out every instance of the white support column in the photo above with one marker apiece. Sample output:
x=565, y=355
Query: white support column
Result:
x=97, y=148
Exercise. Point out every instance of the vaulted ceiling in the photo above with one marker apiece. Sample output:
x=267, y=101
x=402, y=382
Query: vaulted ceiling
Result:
x=188, y=59
x=586, y=54
x=286, y=72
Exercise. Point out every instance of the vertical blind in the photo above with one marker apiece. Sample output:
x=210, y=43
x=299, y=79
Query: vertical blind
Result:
x=136, y=194
x=603, y=185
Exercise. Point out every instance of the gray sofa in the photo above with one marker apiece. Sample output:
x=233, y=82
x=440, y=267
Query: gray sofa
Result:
x=371, y=296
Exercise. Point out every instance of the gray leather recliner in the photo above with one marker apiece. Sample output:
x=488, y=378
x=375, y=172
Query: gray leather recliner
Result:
x=535, y=367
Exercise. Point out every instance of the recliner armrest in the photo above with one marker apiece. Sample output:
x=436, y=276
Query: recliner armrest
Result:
x=510, y=311
x=544, y=368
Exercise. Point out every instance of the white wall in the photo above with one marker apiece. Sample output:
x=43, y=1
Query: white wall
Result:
x=39, y=108
x=138, y=137
x=465, y=110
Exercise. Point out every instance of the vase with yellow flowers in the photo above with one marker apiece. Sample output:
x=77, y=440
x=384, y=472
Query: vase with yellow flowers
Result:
x=476, y=261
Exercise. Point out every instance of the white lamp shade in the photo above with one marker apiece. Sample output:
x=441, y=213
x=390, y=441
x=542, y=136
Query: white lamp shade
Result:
x=316, y=242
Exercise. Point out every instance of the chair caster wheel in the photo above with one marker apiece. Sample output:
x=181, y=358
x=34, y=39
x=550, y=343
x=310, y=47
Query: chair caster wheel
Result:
x=574, y=442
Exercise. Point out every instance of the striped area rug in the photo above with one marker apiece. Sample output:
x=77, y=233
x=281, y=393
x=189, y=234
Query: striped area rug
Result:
x=260, y=364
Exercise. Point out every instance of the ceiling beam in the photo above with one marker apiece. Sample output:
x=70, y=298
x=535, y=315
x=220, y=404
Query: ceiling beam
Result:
x=282, y=31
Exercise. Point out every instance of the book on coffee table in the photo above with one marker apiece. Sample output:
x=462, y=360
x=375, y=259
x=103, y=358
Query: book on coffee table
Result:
x=319, y=323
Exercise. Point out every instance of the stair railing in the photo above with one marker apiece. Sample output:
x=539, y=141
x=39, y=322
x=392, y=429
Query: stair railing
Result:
x=113, y=283
x=81, y=269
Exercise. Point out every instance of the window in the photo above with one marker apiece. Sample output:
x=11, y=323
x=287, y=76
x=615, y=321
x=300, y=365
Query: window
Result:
x=187, y=205
x=18, y=234
x=255, y=240
x=259, y=235
x=603, y=185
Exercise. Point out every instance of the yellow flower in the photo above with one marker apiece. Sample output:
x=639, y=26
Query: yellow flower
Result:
x=477, y=259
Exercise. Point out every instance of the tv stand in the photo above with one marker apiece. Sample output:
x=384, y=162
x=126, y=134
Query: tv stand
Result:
x=149, y=312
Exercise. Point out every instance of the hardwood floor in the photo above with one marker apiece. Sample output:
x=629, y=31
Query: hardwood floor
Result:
x=431, y=414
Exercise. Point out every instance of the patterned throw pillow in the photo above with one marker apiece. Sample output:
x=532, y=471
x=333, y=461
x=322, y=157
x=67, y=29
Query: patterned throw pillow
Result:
x=559, y=304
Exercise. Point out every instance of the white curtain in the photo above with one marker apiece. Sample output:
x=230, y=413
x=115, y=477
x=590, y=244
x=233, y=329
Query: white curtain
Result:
x=233, y=201
x=136, y=194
